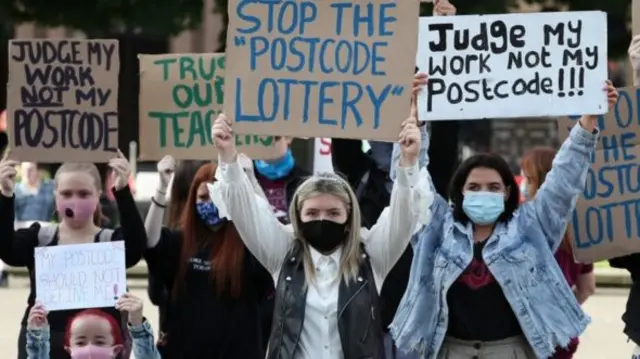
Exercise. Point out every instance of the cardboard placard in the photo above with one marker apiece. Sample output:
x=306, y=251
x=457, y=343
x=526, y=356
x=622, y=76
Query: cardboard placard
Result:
x=606, y=221
x=180, y=97
x=62, y=100
x=303, y=69
x=513, y=65
x=78, y=276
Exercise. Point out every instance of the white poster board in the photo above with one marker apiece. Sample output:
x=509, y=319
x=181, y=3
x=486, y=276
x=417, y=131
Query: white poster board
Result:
x=80, y=276
x=513, y=65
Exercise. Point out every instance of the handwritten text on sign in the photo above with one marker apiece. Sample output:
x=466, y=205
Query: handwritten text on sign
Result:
x=80, y=275
x=606, y=222
x=320, y=68
x=63, y=99
x=180, y=97
x=514, y=65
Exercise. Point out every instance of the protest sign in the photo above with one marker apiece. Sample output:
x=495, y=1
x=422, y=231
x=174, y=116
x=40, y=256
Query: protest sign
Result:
x=78, y=276
x=322, y=161
x=333, y=68
x=606, y=222
x=513, y=65
x=62, y=100
x=180, y=97
x=635, y=17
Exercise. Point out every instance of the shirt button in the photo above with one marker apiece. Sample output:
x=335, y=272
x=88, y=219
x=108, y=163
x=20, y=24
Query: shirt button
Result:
x=325, y=317
x=326, y=347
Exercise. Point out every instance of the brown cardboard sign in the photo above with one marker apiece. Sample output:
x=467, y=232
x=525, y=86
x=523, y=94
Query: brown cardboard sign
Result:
x=606, y=222
x=62, y=100
x=330, y=68
x=180, y=97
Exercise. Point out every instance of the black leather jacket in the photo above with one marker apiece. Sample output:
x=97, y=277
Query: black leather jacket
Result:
x=358, y=312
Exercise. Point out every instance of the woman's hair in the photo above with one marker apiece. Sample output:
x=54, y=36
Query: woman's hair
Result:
x=227, y=249
x=329, y=183
x=113, y=323
x=91, y=170
x=182, y=178
x=536, y=163
x=484, y=160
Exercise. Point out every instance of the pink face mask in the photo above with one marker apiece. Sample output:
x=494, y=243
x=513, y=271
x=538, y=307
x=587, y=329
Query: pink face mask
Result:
x=92, y=352
x=77, y=209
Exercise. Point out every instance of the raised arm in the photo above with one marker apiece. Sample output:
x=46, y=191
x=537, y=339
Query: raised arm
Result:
x=408, y=209
x=16, y=247
x=155, y=216
x=550, y=208
x=131, y=228
x=234, y=195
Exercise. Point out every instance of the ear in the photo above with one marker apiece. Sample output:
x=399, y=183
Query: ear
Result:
x=117, y=349
x=67, y=349
x=288, y=140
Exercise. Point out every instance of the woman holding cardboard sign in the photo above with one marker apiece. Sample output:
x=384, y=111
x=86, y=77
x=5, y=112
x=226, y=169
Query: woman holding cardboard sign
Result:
x=484, y=281
x=77, y=187
x=328, y=269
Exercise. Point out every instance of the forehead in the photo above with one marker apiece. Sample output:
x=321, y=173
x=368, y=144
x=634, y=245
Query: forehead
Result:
x=90, y=324
x=484, y=175
x=323, y=202
x=202, y=189
x=75, y=180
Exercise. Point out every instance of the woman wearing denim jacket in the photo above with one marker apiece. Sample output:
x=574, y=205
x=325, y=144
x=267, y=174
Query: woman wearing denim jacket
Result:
x=484, y=282
x=92, y=333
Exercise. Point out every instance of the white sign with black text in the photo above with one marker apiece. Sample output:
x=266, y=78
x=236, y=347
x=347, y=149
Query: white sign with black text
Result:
x=513, y=65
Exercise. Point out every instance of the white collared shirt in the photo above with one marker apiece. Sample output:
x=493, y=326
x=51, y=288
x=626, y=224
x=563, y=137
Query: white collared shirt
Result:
x=270, y=242
x=320, y=338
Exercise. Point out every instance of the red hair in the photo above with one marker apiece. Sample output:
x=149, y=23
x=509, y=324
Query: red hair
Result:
x=227, y=249
x=536, y=164
x=113, y=323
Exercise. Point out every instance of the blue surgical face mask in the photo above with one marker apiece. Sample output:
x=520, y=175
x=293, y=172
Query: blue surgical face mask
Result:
x=276, y=169
x=482, y=207
x=208, y=213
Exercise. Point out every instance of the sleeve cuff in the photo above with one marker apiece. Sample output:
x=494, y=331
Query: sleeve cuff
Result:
x=407, y=176
x=583, y=137
x=141, y=330
x=39, y=333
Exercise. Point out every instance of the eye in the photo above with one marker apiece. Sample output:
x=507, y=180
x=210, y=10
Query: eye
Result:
x=65, y=194
x=203, y=198
x=311, y=213
x=335, y=213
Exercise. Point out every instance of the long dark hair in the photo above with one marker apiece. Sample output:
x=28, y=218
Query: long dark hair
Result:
x=227, y=249
x=484, y=160
x=182, y=178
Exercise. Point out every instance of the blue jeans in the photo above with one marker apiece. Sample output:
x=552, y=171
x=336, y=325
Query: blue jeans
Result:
x=391, y=352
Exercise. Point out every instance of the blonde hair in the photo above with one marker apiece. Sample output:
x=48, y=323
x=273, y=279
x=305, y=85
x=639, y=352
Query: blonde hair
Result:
x=91, y=170
x=329, y=183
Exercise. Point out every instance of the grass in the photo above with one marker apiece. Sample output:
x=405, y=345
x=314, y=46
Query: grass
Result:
x=603, y=264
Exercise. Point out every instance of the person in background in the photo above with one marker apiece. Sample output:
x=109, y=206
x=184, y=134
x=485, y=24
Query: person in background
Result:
x=110, y=215
x=92, y=333
x=77, y=189
x=177, y=197
x=536, y=164
x=279, y=177
x=329, y=269
x=4, y=138
x=484, y=281
x=34, y=196
x=631, y=262
x=215, y=284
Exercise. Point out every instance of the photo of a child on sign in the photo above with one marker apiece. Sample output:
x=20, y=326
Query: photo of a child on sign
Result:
x=329, y=68
x=513, y=65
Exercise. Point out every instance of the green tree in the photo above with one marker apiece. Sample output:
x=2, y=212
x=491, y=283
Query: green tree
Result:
x=153, y=18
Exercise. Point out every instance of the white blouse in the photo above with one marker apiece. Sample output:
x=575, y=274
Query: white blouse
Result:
x=270, y=242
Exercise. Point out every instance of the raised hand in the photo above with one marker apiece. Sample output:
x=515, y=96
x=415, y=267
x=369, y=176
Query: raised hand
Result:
x=121, y=171
x=224, y=138
x=443, y=8
x=7, y=175
x=166, y=168
x=410, y=138
x=37, y=317
x=588, y=122
x=133, y=306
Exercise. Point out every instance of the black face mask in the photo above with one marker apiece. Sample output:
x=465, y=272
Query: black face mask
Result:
x=325, y=236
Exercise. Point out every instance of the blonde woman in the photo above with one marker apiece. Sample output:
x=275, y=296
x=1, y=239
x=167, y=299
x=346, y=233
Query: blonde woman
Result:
x=328, y=271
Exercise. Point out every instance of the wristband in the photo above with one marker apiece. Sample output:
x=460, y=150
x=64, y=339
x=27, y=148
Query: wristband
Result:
x=153, y=200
